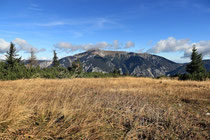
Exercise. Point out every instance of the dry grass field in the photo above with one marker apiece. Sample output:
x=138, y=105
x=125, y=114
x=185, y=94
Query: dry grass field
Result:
x=109, y=108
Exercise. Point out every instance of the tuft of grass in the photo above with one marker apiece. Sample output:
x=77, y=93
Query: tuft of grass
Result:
x=104, y=108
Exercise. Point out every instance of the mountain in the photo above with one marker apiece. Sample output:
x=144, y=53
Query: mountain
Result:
x=207, y=64
x=138, y=64
x=41, y=63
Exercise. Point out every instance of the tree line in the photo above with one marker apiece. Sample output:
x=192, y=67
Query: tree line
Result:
x=14, y=68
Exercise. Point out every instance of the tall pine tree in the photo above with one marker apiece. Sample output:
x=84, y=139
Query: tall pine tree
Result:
x=55, y=60
x=196, y=64
x=11, y=56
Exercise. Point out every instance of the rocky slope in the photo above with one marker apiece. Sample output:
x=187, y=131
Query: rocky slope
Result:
x=41, y=63
x=138, y=64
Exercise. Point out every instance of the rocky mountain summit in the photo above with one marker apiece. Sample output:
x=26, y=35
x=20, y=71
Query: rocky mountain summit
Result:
x=138, y=64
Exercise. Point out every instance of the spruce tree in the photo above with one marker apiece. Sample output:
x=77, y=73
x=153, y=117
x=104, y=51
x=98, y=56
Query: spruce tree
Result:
x=196, y=68
x=55, y=59
x=196, y=64
x=11, y=56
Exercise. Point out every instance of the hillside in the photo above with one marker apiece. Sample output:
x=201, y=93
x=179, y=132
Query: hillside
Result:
x=110, y=108
x=138, y=64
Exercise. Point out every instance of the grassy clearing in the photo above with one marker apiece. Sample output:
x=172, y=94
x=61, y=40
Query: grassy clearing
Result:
x=109, y=108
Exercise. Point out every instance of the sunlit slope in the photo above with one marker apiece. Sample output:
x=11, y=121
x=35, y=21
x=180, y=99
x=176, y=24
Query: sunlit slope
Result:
x=109, y=108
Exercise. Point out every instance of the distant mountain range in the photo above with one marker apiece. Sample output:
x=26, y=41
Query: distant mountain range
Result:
x=136, y=64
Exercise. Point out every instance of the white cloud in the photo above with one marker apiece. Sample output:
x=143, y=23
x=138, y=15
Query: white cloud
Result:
x=116, y=44
x=69, y=47
x=129, y=44
x=4, y=46
x=22, y=45
x=2, y=57
x=43, y=58
x=171, y=44
x=25, y=46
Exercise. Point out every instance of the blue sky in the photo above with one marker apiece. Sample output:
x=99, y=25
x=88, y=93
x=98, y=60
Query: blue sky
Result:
x=163, y=27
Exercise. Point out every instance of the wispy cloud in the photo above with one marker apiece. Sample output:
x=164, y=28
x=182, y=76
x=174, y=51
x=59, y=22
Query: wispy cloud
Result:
x=25, y=46
x=201, y=7
x=106, y=23
x=69, y=47
x=9, y=32
x=83, y=22
x=35, y=7
x=79, y=27
x=76, y=34
x=50, y=24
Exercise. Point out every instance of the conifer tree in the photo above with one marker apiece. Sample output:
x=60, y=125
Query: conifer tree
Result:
x=55, y=59
x=11, y=56
x=195, y=68
x=196, y=64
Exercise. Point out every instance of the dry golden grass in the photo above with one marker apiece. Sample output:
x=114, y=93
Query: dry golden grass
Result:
x=109, y=108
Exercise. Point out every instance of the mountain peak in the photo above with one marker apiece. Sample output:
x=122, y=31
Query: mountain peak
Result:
x=93, y=50
x=138, y=64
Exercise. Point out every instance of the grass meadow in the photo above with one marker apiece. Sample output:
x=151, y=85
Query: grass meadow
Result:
x=104, y=108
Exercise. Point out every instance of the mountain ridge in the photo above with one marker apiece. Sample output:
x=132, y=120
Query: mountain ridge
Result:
x=138, y=64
